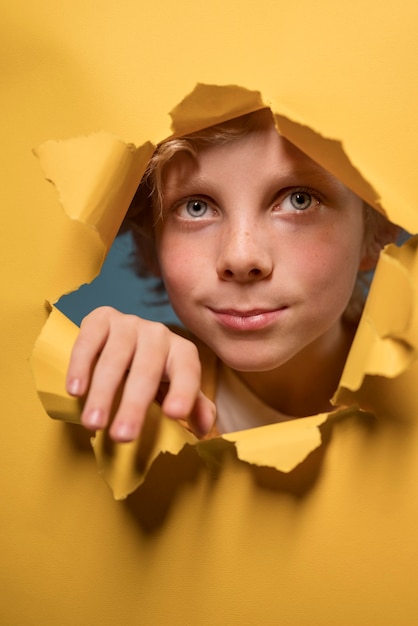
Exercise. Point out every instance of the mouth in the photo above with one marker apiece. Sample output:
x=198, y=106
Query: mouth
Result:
x=247, y=320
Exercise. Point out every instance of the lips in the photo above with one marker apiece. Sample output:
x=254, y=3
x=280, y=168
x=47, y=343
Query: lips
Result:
x=255, y=319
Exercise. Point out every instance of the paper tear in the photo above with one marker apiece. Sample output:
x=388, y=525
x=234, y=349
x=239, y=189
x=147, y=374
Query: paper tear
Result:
x=282, y=446
x=386, y=343
x=124, y=466
x=49, y=362
x=208, y=105
x=96, y=177
x=330, y=154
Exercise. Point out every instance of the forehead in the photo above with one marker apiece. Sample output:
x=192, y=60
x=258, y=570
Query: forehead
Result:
x=258, y=151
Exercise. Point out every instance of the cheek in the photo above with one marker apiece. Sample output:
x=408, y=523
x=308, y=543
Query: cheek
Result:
x=180, y=264
x=327, y=268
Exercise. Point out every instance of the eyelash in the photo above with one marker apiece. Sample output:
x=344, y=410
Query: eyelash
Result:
x=285, y=194
x=190, y=199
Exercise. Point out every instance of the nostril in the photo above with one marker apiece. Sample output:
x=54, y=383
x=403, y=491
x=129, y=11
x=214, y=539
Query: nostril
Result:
x=253, y=273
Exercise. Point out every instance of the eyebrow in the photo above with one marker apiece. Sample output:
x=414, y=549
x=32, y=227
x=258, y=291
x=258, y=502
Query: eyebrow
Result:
x=188, y=186
x=286, y=178
x=190, y=181
x=318, y=176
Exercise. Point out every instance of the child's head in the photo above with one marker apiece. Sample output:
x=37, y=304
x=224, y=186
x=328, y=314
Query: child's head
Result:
x=259, y=249
x=147, y=205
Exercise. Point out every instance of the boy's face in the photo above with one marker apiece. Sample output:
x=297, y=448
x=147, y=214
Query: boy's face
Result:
x=259, y=249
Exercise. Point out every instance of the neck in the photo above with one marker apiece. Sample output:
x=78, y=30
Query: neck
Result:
x=304, y=385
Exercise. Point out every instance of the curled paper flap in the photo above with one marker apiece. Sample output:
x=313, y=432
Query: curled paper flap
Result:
x=386, y=343
x=208, y=105
x=49, y=362
x=96, y=178
x=124, y=466
x=331, y=155
x=282, y=446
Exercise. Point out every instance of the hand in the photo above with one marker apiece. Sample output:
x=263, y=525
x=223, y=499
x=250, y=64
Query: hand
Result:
x=150, y=363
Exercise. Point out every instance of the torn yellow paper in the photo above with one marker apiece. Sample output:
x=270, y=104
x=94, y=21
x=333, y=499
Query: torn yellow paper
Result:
x=247, y=545
x=386, y=343
x=96, y=178
x=99, y=203
x=208, y=105
x=124, y=467
x=282, y=446
x=330, y=154
x=49, y=361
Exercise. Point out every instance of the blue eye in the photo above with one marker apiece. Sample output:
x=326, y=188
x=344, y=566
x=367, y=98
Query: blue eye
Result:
x=300, y=200
x=196, y=208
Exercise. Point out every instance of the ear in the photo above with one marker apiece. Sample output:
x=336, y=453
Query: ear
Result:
x=378, y=233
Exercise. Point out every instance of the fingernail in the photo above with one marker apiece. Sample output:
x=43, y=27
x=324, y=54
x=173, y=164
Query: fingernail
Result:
x=94, y=419
x=74, y=386
x=124, y=431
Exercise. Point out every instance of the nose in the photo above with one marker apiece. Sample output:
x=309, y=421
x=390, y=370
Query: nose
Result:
x=244, y=256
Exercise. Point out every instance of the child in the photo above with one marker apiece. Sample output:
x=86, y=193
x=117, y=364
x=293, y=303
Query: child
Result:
x=259, y=250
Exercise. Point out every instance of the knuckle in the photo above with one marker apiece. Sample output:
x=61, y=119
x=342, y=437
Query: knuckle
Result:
x=161, y=332
x=99, y=315
x=137, y=325
x=155, y=333
x=131, y=320
x=82, y=347
x=190, y=350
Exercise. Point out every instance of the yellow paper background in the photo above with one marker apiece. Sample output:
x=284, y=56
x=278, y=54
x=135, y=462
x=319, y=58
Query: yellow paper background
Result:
x=333, y=542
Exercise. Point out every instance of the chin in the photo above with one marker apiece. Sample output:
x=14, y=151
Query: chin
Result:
x=251, y=363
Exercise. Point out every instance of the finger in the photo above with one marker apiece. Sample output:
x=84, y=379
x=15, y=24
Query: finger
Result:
x=141, y=387
x=184, y=372
x=92, y=337
x=203, y=416
x=109, y=371
x=184, y=399
x=177, y=360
